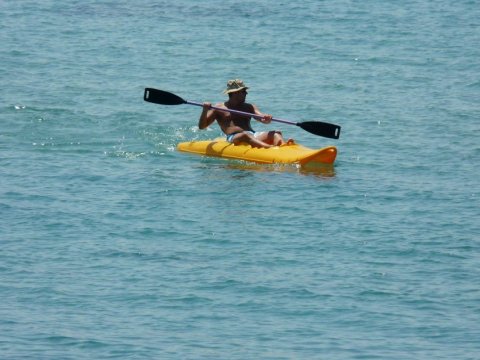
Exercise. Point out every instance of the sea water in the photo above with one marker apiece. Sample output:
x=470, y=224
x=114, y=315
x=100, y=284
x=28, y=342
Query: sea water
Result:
x=114, y=245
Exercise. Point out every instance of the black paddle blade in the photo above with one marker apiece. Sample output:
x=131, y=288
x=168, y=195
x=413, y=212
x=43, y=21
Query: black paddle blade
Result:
x=321, y=129
x=162, y=97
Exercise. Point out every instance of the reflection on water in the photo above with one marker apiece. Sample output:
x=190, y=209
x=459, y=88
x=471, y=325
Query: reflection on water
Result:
x=319, y=170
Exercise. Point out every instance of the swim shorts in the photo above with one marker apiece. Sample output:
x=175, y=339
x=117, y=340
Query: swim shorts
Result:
x=231, y=136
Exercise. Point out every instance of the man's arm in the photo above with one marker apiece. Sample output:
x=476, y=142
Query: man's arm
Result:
x=266, y=118
x=207, y=117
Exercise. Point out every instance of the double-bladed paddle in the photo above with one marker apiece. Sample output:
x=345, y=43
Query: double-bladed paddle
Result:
x=315, y=127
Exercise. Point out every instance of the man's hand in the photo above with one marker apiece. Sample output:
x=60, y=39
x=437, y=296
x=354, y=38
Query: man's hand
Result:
x=267, y=119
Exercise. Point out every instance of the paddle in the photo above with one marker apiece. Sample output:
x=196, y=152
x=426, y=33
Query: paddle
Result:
x=315, y=127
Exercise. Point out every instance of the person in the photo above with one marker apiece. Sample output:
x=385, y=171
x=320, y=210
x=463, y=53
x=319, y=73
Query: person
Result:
x=237, y=128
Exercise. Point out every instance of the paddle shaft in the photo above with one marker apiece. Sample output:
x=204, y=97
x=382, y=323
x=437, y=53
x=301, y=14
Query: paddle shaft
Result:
x=238, y=112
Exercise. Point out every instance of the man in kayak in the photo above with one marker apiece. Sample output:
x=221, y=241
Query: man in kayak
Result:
x=236, y=127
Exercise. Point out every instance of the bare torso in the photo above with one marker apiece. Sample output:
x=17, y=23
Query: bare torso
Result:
x=233, y=123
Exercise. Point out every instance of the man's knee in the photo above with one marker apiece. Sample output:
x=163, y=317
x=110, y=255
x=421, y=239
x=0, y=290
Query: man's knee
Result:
x=243, y=137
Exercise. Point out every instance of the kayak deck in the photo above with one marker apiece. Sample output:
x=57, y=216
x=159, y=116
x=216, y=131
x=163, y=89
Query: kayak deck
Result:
x=285, y=154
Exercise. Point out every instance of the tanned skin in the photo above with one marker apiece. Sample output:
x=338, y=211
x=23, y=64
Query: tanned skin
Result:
x=233, y=123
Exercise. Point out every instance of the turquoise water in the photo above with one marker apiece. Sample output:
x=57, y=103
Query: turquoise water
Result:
x=114, y=245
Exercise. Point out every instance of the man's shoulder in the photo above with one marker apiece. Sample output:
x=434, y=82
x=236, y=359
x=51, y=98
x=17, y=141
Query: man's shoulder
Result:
x=221, y=105
x=219, y=111
x=248, y=107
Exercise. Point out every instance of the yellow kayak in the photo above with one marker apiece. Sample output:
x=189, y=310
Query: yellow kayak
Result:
x=285, y=154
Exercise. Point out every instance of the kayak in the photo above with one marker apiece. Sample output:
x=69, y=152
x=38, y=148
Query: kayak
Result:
x=284, y=154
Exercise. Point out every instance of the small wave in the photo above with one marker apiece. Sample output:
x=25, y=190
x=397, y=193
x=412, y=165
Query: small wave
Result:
x=475, y=84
